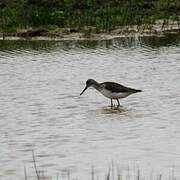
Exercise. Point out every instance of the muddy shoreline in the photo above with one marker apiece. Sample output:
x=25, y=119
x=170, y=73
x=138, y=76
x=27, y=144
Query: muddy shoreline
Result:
x=90, y=33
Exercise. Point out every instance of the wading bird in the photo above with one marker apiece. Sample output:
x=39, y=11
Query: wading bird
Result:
x=110, y=90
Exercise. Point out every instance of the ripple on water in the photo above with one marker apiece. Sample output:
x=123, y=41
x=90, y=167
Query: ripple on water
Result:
x=114, y=110
x=41, y=110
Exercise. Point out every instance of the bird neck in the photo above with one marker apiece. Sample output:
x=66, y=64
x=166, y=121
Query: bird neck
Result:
x=96, y=85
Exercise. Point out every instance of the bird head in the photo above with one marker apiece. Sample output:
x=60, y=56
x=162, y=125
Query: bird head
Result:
x=89, y=83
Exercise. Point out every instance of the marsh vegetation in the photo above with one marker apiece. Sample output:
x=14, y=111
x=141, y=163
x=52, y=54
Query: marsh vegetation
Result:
x=84, y=15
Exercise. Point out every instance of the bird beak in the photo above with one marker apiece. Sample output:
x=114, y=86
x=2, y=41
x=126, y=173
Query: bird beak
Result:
x=83, y=90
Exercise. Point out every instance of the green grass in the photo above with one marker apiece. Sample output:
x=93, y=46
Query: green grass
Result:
x=104, y=15
x=114, y=172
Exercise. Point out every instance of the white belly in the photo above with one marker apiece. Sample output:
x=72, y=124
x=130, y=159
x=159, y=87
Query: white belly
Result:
x=111, y=95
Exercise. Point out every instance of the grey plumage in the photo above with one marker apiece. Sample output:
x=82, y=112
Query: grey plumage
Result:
x=111, y=90
x=115, y=87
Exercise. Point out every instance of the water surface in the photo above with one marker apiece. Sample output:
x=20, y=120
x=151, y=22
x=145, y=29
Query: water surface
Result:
x=41, y=110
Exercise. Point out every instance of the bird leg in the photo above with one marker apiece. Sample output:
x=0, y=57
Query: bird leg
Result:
x=111, y=104
x=118, y=103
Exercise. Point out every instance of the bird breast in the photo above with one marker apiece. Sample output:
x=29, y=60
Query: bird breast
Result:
x=113, y=95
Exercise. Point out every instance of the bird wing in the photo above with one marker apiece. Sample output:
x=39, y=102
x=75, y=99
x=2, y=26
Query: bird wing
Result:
x=115, y=87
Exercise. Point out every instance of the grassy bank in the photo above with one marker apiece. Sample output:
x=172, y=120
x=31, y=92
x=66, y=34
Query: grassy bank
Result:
x=113, y=172
x=84, y=15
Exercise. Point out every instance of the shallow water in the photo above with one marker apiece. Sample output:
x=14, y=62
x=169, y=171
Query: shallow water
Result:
x=41, y=110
